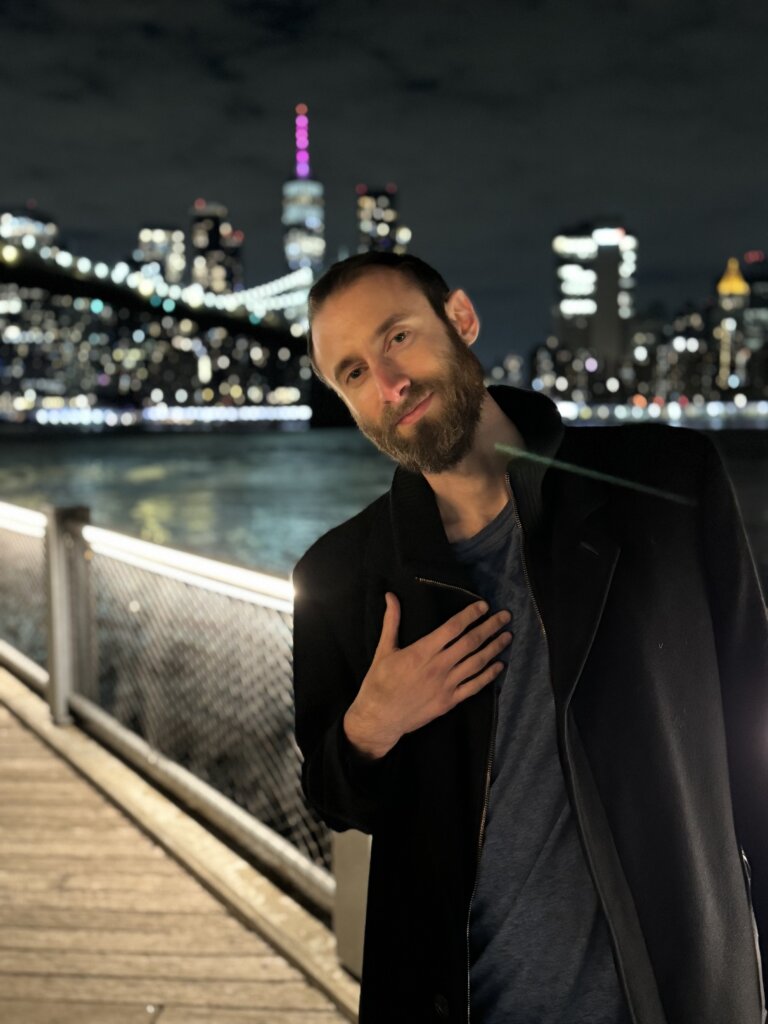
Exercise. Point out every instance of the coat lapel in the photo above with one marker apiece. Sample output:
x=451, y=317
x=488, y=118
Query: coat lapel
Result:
x=574, y=576
x=581, y=577
x=571, y=551
x=422, y=548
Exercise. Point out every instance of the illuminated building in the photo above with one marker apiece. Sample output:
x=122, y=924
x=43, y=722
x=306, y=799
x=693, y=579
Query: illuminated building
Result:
x=92, y=345
x=596, y=267
x=377, y=216
x=303, y=206
x=686, y=360
x=28, y=222
x=215, y=249
x=733, y=297
x=755, y=321
x=163, y=248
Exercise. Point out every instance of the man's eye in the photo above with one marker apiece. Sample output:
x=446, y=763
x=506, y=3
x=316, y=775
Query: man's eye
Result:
x=354, y=374
x=400, y=336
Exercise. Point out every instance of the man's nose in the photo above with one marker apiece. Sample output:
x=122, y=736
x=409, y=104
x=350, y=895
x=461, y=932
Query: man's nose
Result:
x=391, y=380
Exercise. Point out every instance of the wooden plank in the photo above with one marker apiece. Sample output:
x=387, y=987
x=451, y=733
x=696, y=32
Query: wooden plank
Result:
x=36, y=833
x=230, y=939
x=121, y=826
x=98, y=963
x=101, y=919
x=30, y=1011
x=195, y=901
x=267, y=995
x=67, y=779
x=13, y=742
x=61, y=788
x=41, y=804
x=74, y=846
x=154, y=862
x=189, y=1015
x=14, y=748
x=41, y=790
x=31, y=768
x=82, y=934
x=23, y=819
x=41, y=781
x=102, y=880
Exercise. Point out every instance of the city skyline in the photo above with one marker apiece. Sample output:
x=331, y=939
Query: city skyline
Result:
x=651, y=304
x=89, y=344
x=498, y=130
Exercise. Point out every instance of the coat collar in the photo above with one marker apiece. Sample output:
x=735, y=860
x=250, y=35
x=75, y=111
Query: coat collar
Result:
x=573, y=557
x=420, y=540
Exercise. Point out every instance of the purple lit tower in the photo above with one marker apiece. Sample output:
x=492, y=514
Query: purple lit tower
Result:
x=303, y=207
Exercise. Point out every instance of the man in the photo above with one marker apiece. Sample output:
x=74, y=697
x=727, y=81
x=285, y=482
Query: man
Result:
x=534, y=671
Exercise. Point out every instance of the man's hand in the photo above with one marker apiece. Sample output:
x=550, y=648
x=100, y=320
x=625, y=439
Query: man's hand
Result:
x=407, y=687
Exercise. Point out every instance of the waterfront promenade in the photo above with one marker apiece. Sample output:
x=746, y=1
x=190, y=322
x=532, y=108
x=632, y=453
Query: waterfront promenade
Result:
x=99, y=924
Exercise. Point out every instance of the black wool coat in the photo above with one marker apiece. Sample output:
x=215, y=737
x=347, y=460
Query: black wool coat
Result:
x=658, y=648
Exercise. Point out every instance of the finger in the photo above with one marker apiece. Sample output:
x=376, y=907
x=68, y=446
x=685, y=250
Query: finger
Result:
x=475, y=685
x=455, y=626
x=477, y=661
x=477, y=636
x=390, y=625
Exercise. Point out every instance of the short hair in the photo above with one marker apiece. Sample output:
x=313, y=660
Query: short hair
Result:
x=342, y=274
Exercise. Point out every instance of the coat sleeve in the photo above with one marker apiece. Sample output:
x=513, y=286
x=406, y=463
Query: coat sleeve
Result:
x=741, y=634
x=344, y=788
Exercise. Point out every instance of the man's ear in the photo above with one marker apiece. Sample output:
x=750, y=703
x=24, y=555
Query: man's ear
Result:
x=463, y=316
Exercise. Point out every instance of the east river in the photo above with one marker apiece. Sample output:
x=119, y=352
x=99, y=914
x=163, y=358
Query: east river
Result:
x=258, y=499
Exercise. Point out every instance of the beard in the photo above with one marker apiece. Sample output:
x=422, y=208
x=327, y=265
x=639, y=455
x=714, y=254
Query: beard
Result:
x=439, y=444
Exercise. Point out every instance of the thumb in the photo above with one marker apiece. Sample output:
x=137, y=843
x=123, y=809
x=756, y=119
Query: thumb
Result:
x=390, y=625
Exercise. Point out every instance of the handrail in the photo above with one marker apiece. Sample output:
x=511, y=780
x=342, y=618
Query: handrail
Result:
x=22, y=520
x=68, y=536
x=231, y=580
x=270, y=850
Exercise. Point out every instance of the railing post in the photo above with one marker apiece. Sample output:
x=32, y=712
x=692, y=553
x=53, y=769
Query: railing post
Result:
x=68, y=607
x=350, y=858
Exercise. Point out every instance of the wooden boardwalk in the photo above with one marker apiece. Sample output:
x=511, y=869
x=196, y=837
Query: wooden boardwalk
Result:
x=98, y=925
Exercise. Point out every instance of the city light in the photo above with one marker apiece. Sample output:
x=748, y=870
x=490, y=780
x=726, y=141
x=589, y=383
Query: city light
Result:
x=168, y=335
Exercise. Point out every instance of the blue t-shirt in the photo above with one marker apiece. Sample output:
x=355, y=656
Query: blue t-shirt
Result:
x=540, y=950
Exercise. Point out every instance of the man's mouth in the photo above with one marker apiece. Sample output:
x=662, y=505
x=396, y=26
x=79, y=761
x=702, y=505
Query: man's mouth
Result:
x=416, y=412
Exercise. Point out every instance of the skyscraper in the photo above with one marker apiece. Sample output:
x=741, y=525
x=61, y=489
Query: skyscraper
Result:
x=215, y=249
x=732, y=299
x=28, y=222
x=377, y=216
x=164, y=246
x=303, y=206
x=756, y=320
x=596, y=265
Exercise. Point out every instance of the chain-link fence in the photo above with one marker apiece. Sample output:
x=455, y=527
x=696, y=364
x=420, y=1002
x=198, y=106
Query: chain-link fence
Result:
x=205, y=678
x=23, y=603
x=191, y=655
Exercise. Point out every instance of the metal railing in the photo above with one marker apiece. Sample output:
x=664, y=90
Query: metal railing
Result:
x=179, y=663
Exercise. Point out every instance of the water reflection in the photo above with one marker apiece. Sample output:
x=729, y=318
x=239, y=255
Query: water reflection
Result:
x=257, y=499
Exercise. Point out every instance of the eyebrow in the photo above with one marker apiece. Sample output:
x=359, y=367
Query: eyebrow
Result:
x=383, y=327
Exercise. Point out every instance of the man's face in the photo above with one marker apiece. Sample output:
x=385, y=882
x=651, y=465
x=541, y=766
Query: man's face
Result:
x=408, y=378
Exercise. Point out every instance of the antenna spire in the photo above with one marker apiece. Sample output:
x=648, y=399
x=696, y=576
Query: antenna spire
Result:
x=302, y=140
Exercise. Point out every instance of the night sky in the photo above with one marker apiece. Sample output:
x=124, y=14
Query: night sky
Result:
x=500, y=122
